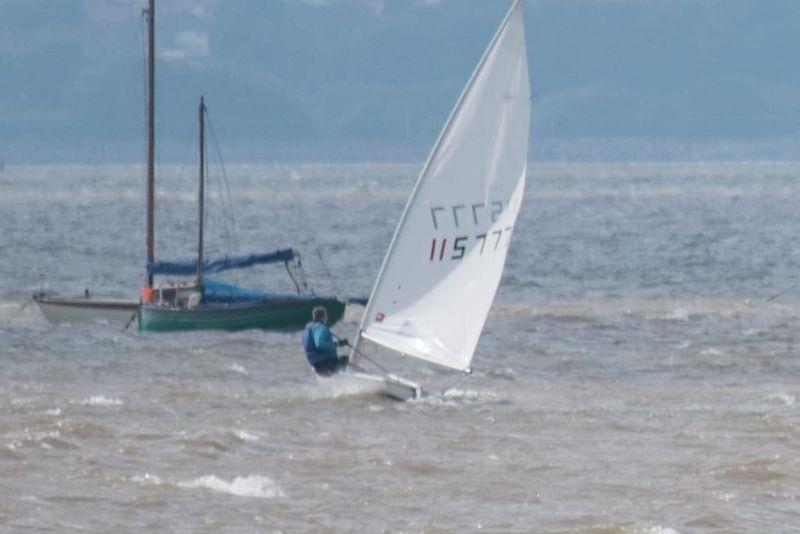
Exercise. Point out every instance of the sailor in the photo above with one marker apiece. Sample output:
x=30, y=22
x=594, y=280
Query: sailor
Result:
x=320, y=347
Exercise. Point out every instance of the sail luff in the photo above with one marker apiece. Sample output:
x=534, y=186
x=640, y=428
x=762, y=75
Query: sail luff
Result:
x=432, y=170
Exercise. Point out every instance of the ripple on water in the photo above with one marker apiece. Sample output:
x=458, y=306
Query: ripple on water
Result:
x=761, y=470
x=79, y=429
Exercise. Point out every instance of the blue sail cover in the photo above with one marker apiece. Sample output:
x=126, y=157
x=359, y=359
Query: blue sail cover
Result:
x=189, y=268
x=215, y=291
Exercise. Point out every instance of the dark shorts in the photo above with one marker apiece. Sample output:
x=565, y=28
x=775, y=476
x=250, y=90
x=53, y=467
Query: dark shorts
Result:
x=331, y=367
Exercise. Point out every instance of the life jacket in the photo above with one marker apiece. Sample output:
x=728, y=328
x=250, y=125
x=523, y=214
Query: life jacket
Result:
x=312, y=352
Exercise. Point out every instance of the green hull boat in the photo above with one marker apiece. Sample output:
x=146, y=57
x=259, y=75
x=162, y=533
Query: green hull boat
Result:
x=282, y=315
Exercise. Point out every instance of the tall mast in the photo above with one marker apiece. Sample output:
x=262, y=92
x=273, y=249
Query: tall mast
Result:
x=200, y=195
x=151, y=131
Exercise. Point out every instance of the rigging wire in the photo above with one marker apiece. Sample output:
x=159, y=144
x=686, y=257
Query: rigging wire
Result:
x=781, y=293
x=370, y=360
x=22, y=309
x=229, y=232
x=132, y=318
x=449, y=388
x=328, y=274
x=301, y=220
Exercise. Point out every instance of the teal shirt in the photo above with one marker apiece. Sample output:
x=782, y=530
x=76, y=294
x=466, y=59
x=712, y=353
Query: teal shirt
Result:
x=323, y=339
x=318, y=343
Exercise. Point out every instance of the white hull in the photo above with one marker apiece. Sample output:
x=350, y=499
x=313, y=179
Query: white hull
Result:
x=391, y=386
x=83, y=310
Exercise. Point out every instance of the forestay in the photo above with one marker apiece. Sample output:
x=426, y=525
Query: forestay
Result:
x=444, y=263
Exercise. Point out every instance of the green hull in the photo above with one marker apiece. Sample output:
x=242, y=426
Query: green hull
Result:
x=280, y=316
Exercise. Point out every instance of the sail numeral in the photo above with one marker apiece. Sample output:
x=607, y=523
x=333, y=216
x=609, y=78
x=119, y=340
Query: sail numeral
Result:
x=482, y=237
x=475, y=212
x=461, y=213
x=440, y=248
x=460, y=244
x=459, y=248
x=434, y=209
x=497, y=209
x=455, y=212
x=498, y=233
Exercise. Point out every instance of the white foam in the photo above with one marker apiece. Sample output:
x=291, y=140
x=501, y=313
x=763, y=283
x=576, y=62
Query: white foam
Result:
x=659, y=530
x=251, y=486
x=678, y=314
x=147, y=479
x=101, y=400
x=236, y=368
x=470, y=395
x=246, y=436
x=783, y=398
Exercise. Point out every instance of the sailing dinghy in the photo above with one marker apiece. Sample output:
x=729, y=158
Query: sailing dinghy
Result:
x=444, y=263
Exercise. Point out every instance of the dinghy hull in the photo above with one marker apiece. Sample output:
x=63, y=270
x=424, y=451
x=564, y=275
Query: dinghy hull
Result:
x=391, y=386
x=83, y=310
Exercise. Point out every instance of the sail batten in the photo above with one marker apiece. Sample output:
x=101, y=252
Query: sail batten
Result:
x=444, y=264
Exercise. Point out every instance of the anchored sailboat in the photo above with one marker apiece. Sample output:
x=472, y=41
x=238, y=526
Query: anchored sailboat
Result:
x=205, y=304
x=444, y=263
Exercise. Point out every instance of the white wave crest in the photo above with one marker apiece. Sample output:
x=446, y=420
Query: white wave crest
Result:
x=236, y=368
x=455, y=397
x=246, y=436
x=659, y=530
x=147, y=478
x=251, y=486
x=470, y=395
x=783, y=398
x=678, y=314
x=101, y=400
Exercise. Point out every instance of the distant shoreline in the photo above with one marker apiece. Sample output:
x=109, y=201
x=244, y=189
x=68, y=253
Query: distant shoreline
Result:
x=548, y=150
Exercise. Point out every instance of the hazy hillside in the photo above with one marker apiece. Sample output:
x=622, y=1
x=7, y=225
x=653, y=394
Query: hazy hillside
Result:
x=374, y=79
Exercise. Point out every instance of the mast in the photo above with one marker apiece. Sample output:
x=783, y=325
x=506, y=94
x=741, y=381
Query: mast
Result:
x=200, y=194
x=151, y=132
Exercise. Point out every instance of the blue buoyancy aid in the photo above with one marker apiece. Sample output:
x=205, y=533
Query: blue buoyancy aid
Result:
x=318, y=343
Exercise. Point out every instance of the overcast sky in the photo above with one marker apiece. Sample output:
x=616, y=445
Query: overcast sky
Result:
x=374, y=79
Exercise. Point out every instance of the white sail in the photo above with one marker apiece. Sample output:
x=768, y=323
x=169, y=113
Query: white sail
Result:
x=444, y=264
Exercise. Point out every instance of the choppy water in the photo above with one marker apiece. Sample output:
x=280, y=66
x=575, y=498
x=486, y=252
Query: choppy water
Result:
x=633, y=376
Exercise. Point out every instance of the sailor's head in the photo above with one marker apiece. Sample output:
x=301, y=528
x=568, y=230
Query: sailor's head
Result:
x=320, y=314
